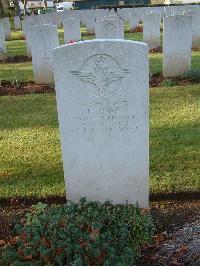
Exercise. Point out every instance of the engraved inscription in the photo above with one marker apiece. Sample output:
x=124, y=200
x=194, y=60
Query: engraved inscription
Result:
x=178, y=26
x=44, y=51
x=102, y=71
x=102, y=115
x=110, y=30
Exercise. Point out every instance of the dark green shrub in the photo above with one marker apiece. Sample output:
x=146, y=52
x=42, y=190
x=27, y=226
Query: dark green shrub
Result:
x=168, y=83
x=89, y=233
x=193, y=75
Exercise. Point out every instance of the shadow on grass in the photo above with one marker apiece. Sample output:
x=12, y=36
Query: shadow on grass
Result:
x=28, y=111
x=31, y=163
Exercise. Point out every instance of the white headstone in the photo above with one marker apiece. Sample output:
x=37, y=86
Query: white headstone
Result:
x=134, y=20
x=27, y=26
x=44, y=39
x=6, y=27
x=124, y=14
x=90, y=22
x=56, y=19
x=100, y=13
x=151, y=29
x=195, y=27
x=109, y=29
x=71, y=30
x=177, y=42
x=3, y=50
x=17, y=23
x=168, y=11
x=102, y=97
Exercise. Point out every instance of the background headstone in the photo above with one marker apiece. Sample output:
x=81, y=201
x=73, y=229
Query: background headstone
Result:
x=195, y=27
x=109, y=29
x=44, y=39
x=6, y=27
x=27, y=25
x=151, y=30
x=3, y=50
x=134, y=20
x=71, y=30
x=17, y=23
x=177, y=42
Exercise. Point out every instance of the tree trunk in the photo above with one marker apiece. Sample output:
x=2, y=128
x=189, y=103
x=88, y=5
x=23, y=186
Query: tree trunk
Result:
x=1, y=9
x=17, y=7
x=45, y=4
x=25, y=4
x=4, y=4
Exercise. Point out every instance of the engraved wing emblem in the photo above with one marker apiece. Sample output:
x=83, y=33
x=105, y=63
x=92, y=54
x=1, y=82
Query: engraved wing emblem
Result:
x=114, y=76
x=102, y=74
x=86, y=76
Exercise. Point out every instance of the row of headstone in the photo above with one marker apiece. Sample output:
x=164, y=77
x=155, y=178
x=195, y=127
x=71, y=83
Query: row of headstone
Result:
x=112, y=27
x=150, y=35
x=176, y=50
x=88, y=17
x=102, y=102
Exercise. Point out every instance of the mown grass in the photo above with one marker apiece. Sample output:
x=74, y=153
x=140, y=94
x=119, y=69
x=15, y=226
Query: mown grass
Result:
x=16, y=72
x=174, y=139
x=23, y=71
x=30, y=154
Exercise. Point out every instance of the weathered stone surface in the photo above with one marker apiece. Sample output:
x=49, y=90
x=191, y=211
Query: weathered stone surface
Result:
x=71, y=30
x=102, y=99
x=17, y=23
x=177, y=42
x=27, y=26
x=151, y=29
x=3, y=50
x=109, y=29
x=134, y=20
x=90, y=21
x=100, y=13
x=195, y=26
x=6, y=27
x=44, y=39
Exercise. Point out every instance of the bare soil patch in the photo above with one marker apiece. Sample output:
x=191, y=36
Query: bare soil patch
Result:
x=160, y=50
x=16, y=59
x=9, y=88
x=157, y=81
x=24, y=88
x=178, y=235
x=137, y=29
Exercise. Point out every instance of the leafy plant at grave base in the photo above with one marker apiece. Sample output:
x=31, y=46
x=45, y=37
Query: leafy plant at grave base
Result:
x=88, y=233
x=14, y=79
x=168, y=83
x=193, y=75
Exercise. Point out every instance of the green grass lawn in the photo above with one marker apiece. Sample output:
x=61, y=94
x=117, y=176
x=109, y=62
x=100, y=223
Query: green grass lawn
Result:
x=23, y=71
x=16, y=72
x=30, y=155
